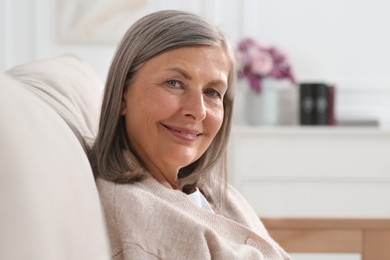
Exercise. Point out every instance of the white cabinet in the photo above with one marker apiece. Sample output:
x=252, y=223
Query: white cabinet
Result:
x=312, y=171
x=328, y=256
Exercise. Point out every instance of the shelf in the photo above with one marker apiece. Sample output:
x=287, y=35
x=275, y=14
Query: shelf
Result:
x=312, y=170
x=311, y=130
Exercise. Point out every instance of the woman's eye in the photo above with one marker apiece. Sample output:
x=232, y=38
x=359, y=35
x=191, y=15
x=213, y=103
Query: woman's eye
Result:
x=212, y=93
x=174, y=83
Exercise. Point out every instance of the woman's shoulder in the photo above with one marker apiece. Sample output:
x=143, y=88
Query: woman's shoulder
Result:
x=128, y=205
x=239, y=209
x=131, y=212
x=112, y=191
x=235, y=197
x=122, y=197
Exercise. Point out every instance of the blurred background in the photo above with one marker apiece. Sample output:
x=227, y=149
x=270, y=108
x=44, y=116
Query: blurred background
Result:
x=342, y=43
x=333, y=170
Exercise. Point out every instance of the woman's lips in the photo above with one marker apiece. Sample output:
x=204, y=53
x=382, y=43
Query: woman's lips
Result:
x=183, y=133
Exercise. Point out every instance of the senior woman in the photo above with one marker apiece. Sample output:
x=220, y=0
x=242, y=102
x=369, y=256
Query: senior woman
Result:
x=159, y=156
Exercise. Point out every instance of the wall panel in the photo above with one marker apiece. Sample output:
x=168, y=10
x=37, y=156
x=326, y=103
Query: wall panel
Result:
x=326, y=40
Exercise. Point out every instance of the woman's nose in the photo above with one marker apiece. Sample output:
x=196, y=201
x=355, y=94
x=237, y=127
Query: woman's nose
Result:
x=194, y=106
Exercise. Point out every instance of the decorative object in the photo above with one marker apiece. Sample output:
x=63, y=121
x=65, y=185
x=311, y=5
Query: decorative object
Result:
x=316, y=101
x=263, y=108
x=97, y=21
x=267, y=70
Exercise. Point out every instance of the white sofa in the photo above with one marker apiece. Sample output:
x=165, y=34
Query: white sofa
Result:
x=49, y=206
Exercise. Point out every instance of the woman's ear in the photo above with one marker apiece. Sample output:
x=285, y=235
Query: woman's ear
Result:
x=123, y=104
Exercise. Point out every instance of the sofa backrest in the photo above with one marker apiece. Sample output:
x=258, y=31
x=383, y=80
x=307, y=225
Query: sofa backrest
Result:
x=48, y=200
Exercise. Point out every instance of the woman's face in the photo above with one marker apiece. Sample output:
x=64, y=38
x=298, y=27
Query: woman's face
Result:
x=174, y=108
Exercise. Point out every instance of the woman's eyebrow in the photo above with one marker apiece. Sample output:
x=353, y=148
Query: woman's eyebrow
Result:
x=188, y=76
x=218, y=82
x=181, y=71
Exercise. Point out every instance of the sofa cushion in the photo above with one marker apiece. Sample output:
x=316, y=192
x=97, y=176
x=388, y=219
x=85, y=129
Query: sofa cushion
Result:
x=70, y=86
x=49, y=203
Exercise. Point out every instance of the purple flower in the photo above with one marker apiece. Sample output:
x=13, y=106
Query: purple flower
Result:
x=257, y=61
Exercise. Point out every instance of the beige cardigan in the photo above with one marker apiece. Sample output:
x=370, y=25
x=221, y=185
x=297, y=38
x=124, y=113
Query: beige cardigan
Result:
x=147, y=220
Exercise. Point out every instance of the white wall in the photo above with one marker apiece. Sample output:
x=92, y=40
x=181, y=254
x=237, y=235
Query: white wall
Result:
x=338, y=41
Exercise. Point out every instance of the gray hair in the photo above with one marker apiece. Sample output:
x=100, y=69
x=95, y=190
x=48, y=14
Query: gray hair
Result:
x=152, y=35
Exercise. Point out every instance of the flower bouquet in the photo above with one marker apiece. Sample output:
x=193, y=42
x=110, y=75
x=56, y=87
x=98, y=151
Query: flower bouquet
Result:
x=257, y=61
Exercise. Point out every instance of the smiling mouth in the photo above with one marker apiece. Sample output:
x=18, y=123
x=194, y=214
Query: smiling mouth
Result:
x=186, y=133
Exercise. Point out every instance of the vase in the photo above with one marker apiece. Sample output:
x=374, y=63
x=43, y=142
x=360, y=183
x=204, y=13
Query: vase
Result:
x=263, y=108
x=240, y=100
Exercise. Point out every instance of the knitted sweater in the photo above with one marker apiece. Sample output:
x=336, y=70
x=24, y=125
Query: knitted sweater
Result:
x=147, y=220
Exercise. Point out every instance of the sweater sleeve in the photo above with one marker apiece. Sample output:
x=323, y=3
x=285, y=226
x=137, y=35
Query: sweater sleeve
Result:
x=107, y=199
x=241, y=211
x=132, y=251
